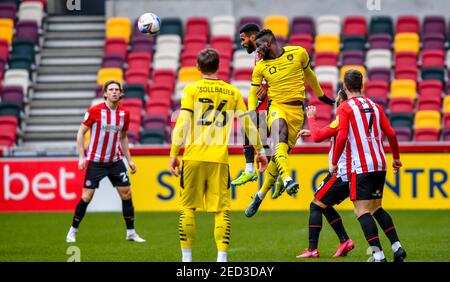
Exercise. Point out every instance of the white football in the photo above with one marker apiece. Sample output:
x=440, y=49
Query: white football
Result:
x=149, y=23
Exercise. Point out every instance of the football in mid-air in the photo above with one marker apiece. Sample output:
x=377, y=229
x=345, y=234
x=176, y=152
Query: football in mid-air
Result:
x=149, y=23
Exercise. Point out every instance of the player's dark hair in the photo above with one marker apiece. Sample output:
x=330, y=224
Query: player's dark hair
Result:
x=208, y=61
x=266, y=32
x=108, y=83
x=353, y=80
x=343, y=95
x=250, y=28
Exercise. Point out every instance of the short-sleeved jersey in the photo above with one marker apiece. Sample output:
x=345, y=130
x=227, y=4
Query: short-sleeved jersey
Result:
x=213, y=104
x=106, y=127
x=285, y=74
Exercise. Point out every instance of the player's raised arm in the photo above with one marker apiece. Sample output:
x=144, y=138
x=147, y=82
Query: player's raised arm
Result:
x=320, y=134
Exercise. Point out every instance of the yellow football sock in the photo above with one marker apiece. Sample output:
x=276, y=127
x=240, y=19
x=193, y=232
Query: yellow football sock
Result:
x=186, y=228
x=222, y=230
x=281, y=159
x=270, y=175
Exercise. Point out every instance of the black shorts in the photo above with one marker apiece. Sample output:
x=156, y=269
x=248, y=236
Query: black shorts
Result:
x=116, y=172
x=367, y=186
x=332, y=191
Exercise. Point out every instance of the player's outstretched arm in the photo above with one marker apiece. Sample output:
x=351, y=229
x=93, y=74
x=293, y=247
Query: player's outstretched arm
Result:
x=311, y=79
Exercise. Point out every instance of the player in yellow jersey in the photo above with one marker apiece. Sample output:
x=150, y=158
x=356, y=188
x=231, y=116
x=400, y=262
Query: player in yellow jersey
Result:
x=204, y=126
x=285, y=69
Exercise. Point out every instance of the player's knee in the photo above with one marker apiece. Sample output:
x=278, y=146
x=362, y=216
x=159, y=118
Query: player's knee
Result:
x=87, y=197
x=319, y=203
x=125, y=194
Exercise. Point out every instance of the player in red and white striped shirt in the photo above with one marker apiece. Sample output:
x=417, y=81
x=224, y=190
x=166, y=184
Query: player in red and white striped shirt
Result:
x=362, y=124
x=108, y=123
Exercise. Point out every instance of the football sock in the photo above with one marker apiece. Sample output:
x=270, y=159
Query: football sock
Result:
x=186, y=255
x=281, y=159
x=222, y=230
x=186, y=228
x=249, y=168
x=315, y=225
x=128, y=213
x=370, y=230
x=80, y=211
x=270, y=175
x=222, y=256
x=396, y=246
x=249, y=153
x=335, y=220
x=386, y=223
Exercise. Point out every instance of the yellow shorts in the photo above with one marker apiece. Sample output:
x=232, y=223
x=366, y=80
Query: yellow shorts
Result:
x=293, y=115
x=205, y=185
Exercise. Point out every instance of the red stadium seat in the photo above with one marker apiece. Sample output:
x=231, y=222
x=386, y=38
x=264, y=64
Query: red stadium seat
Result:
x=325, y=59
x=401, y=105
x=430, y=92
x=189, y=59
x=116, y=46
x=433, y=58
x=197, y=25
x=408, y=24
x=406, y=72
x=194, y=43
x=405, y=59
x=6, y=139
x=355, y=25
x=223, y=44
x=446, y=120
x=139, y=60
x=160, y=91
x=426, y=135
x=304, y=40
x=137, y=76
x=4, y=49
x=377, y=90
x=243, y=74
x=164, y=77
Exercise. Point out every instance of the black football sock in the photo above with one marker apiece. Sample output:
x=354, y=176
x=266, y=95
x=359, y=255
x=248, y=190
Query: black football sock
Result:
x=80, y=210
x=335, y=220
x=370, y=230
x=315, y=225
x=386, y=223
x=128, y=213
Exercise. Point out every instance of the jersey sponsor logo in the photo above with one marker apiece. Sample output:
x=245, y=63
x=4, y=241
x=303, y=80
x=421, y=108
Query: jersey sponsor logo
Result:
x=290, y=57
x=273, y=70
x=111, y=127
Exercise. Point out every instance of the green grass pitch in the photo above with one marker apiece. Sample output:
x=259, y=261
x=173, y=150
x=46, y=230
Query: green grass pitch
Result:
x=268, y=236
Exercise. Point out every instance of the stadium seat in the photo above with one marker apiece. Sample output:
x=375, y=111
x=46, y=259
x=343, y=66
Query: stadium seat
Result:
x=243, y=86
x=17, y=77
x=134, y=91
x=138, y=76
x=405, y=59
x=327, y=43
x=403, y=88
x=379, y=58
x=139, y=60
x=160, y=92
x=4, y=49
x=406, y=42
x=403, y=134
x=355, y=25
x=116, y=46
x=433, y=41
x=278, y=24
x=197, y=25
x=223, y=44
x=152, y=137
x=408, y=24
x=362, y=69
x=112, y=61
x=379, y=74
x=433, y=24
x=355, y=57
x=446, y=103
x=223, y=26
x=27, y=30
x=377, y=90
x=380, y=41
x=446, y=134
x=303, y=25
x=13, y=94
x=427, y=119
x=354, y=43
x=8, y=11
x=142, y=44
x=433, y=58
x=164, y=77
x=7, y=139
x=194, y=43
x=188, y=74
x=381, y=24
x=106, y=74
x=10, y=109
x=9, y=124
x=426, y=135
x=329, y=24
x=189, y=59
x=32, y=11
x=7, y=30
x=406, y=72
x=401, y=105
x=328, y=74
x=325, y=59
x=171, y=26
x=118, y=28
x=304, y=40
x=243, y=74
x=430, y=95
x=168, y=43
x=20, y=62
x=433, y=73
x=165, y=61
x=401, y=120
x=23, y=48
x=243, y=60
